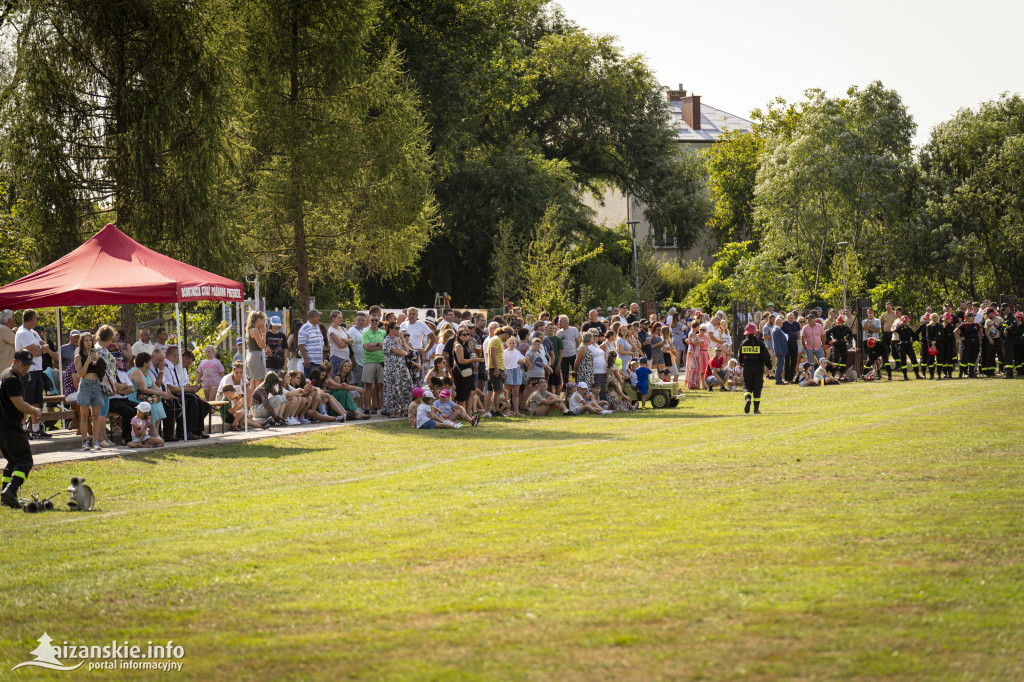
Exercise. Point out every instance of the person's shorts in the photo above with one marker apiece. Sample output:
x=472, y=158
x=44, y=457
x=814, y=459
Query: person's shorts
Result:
x=373, y=373
x=576, y=412
x=555, y=379
x=429, y=424
x=496, y=383
x=534, y=381
x=514, y=377
x=33, y=385
x=357, y=375
x=89, y=393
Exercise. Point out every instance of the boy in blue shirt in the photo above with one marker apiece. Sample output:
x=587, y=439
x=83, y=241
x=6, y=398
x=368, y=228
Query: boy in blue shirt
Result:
x=643, y=378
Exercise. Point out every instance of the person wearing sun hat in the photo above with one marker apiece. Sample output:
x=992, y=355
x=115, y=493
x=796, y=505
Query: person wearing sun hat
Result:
x=427, y=416
x=451, y=410
x=755, y=359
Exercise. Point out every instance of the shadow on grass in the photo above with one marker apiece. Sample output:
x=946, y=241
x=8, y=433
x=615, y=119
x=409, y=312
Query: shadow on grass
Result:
x=258, y=450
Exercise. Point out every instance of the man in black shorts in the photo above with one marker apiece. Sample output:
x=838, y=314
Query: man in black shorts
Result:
x=13, y=439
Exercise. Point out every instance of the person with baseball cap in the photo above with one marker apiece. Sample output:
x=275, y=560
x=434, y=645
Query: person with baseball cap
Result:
x=276, y=343
x=756, y=360
x=838, y=337
x=13, y=439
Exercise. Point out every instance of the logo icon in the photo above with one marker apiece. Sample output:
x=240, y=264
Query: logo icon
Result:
x=46, y=656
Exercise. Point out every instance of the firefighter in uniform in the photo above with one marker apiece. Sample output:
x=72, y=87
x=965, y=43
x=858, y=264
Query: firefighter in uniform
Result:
x=755, y=359
x=969, y=335
x=991, y=346
x=1009, y=324
x=878, y=353
x=903, y=346
x=1017, y=335
x=838, y=337
x=13, y=439
x=947, y=347
x=928, y=332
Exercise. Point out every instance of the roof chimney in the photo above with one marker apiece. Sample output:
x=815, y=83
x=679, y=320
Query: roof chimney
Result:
x=676, y=95
x=691, y=110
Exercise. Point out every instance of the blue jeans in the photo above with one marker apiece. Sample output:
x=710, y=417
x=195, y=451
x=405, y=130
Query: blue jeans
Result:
x=818, y=355
x=780, y=366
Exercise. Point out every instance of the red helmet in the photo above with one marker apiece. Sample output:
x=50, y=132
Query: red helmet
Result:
x=933, y=351
x=840, y=319
x=750, y=329
x=1019, y=315
x=905, y=319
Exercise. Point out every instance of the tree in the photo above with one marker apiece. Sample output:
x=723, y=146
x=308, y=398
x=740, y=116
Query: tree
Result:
x=547, y=272
x=340, y=167
x=972, y=221
x=732, y=166
x=15, y=245
x=505, y=263
x=123, y=107
x=841, y=175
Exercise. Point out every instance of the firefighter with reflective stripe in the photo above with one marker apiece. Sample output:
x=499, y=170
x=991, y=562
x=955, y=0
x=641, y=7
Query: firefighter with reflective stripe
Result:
x=969, y=335
x=755, y=359
x=929, y=333
x=991, y=345
x=947, y=347
x=1009, y=325
x=878, y=350
x=903, y=346
x=13, y=439
x=1017, y=336
x=838, y=337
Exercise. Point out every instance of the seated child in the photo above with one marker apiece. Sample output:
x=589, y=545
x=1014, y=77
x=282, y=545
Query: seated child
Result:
x=822, y=376
x=733, y=375
x=140, y=428
x=581, y=401
x=417, y=398
x=450, y=409
x=806, y=378
x=427, y=416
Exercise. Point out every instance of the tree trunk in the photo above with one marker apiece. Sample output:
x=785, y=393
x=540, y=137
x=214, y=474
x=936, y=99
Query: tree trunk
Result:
x=128, y=322
x=295, y=200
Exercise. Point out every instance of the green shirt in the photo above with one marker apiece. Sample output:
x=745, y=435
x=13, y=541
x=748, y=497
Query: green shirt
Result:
x=556, y=347
x=369, y=336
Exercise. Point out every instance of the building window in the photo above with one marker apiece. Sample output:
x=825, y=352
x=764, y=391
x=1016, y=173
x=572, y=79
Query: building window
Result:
x=665, y=241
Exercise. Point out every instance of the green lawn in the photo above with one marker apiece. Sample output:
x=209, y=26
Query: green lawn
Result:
x=871, y=530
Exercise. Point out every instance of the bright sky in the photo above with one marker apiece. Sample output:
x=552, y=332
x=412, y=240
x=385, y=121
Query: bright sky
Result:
x=940, y=56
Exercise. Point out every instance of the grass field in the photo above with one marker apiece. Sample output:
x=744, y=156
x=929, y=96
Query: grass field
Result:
x=871, y=530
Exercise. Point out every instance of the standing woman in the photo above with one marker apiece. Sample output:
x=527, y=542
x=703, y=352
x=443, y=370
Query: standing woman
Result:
x=929, y=333
x=463, y=375
x=142, y=378
x=600, y=356
x=255, y=348
x=946, y=344
x=397, y=380
x=697, y=357
x=658, y=348
x=90, y=368
x=584, y=366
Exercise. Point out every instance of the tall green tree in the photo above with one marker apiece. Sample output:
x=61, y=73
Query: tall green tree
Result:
x=971, y=233
x=123, y=107
x=844, y=174
x=338, y=181
x=732, y=178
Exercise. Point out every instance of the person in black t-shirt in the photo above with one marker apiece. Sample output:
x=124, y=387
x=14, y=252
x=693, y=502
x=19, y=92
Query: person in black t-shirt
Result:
x=276, y=342
x=13, y=439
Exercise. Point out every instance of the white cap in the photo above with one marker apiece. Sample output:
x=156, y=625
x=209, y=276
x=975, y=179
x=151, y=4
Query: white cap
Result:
x=144, y=407
x=275, y=321
x=582, y=385
x=428, y=394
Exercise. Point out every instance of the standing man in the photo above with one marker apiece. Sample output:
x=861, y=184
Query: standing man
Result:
x=421, y=338
x=594, y=323
x=570, y=337
x=69, y=349
x=813, y=335
x=792, y=330
x=968, y=335
x=6, y=338
x=888, y=319
x=905, y=336
x=495, y=360
x=355, y=332
x=838, y=337
x=311, y=342
x=780, y=344
x=27, y=339
x=553, y=344
x=373, y=363
x=13, y=440
x=755, y=359
x=1009, y=332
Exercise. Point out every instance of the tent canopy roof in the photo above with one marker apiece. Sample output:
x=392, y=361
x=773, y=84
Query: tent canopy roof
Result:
x=111, y=268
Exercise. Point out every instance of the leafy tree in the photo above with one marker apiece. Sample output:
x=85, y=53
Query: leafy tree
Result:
x=15, y=245
x=547, y=278
x=971, y=232
x=732, y=166
x=340, y=166
x=124, y=106
x=505, y=264
x=841, y=175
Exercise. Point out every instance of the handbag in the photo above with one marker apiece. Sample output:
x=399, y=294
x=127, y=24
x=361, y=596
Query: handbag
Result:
x=466, y=372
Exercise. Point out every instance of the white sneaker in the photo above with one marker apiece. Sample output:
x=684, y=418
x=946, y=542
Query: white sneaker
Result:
x=457, y=425
x=488, y=414
x=86, y=446
x=96, y=447
x=607, y=412
x=291, y=421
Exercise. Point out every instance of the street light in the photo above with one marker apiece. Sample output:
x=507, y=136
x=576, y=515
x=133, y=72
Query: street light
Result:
x=636, y=275
x=844, y=245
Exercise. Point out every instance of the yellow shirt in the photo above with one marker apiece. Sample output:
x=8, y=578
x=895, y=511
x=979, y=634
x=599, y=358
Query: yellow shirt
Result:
x=499, y=359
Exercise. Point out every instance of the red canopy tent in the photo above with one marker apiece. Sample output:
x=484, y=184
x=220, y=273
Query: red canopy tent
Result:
x=111, y=268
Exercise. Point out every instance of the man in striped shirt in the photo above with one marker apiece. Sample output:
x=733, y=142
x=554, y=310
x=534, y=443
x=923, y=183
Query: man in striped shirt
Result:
x=311, y=342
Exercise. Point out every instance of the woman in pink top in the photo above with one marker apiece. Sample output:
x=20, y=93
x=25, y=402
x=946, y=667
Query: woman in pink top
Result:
x=210, y=373
x=697, y=358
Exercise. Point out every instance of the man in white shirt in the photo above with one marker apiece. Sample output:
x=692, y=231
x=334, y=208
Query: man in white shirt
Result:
x=143, y=345
x=420, y=336
x=355, y=332
x=26, y=338
x=311, y=342
x=161, y=339
x=6, y=339
x=177, y=384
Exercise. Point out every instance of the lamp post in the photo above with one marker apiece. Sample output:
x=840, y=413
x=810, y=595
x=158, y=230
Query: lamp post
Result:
x=636, y=275
x=844, y=245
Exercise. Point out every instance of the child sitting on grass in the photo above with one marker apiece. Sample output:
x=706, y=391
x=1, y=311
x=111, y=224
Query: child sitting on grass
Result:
x=417, y=398
x=643, y=378
x=450, y=409
x=427, y=416
x=822, y=375
x=140, y=429
x=581, y=401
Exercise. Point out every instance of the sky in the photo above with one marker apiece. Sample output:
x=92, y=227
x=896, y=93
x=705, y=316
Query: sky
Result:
x=940, y=56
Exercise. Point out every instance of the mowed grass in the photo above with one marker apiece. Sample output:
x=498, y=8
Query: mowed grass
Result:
x=870, y=530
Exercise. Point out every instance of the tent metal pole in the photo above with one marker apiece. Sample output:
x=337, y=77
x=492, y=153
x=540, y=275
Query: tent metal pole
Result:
x=181, y=387
x=245, y=371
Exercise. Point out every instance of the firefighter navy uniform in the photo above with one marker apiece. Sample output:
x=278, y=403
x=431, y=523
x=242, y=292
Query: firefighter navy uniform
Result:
x=946, y=343
x=838, y=338
x=755, y=359
x=969, y=334
x=903, y=348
